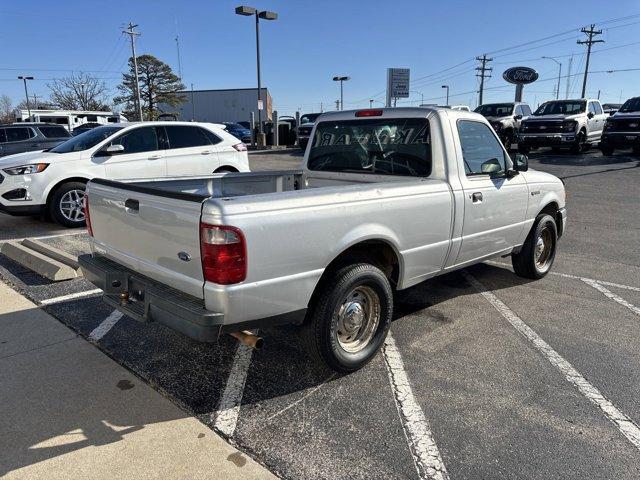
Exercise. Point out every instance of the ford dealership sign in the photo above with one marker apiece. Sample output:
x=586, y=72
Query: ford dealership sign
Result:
x=520, y=75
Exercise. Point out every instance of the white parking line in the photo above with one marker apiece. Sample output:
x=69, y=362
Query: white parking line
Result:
x=626, y=426
x=574, y=277
x=71, y=296
x=106, y=325
x=425, y=453
x=609, y=294
x=70, y=234
x=225, y=418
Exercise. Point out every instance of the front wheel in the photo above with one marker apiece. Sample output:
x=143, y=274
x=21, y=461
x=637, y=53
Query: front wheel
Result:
x=606, y=150
x=350, y=319
x=539, y=249
x=580, y=144
x=66, y=204
x=524, y=149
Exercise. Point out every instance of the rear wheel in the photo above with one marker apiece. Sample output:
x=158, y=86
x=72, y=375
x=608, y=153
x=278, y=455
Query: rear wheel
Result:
x=66, y=204
x=606, y=150
x=350, y=319
x=539, y=249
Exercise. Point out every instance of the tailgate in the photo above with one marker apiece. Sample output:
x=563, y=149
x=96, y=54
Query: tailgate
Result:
x=153, y=232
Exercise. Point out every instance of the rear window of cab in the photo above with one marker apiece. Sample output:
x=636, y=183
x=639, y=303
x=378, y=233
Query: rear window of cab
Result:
x=380, y=146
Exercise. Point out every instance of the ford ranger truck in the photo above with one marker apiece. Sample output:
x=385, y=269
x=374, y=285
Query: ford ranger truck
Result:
x=572, y=124
x=622, y=129
x=385, y=199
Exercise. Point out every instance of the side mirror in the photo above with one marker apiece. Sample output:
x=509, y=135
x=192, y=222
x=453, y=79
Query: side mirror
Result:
x=491, y=166
x=112, y=150
x=590, y=115
x=518, y=117
x=521, y=162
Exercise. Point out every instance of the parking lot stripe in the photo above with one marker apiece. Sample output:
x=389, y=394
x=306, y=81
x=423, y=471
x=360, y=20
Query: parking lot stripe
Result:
x=71, y=296
x=43, y=237
x=106, y=325
x=609, y=294
x=575, y=277
x=225, y=417
x=425, y=453
x=626, y=426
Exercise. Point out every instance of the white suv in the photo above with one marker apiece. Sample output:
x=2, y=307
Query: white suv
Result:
x=53, y=181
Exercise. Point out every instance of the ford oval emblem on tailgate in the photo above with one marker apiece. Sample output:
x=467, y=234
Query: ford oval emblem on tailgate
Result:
x=184, y=256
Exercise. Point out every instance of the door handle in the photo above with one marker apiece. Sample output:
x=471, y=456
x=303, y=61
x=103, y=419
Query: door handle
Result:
x=476, y=197
x=131, y=206
x=155, y=157
x=206, y=152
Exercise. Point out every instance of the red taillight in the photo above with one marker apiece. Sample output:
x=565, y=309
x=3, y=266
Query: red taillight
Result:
x=377, y=112
x=85, y=204
x=224, y=254
x=241, y=147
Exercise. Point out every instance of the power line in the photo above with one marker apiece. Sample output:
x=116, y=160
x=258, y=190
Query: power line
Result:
x=591, y=33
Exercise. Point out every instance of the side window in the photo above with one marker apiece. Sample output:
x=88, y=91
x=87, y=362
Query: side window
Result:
x=481, y=150
x=592, y=108
x=518, y=110
x=54, y=132
x=213, y=138
x=597, y=108
x=139, y=140
x=183, y=136
x=3, y=136
x=18, y=134
x=526, y=111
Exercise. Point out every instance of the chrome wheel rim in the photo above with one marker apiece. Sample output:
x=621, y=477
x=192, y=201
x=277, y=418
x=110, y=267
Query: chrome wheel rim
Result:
x=543, y=250
x=358, y=318
x=71, y=205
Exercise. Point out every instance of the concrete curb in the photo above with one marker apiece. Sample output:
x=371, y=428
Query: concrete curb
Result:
x=38, y=262
x=52, y=252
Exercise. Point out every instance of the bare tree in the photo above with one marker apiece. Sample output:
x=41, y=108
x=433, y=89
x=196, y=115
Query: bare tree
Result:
x=6, y=109
x=79, y=92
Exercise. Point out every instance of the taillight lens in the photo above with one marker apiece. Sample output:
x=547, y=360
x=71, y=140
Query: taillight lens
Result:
x=375, y=112
x=224, y=254
x=241, y=147
x=85, y=204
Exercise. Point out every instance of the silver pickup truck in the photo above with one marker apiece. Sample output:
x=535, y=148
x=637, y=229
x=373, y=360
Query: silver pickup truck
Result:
x=384, y=199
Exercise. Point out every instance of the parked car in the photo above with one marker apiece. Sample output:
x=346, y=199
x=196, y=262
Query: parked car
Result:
x=238, y=131
x=246, y=125
x=611, y=108
x=574, y=124
x=622, y=130
x=27, y=137
x=85, y=127
x=53, y=181
x=386, y=199
x=505, y=118
x=303, y=131
x=462, y=108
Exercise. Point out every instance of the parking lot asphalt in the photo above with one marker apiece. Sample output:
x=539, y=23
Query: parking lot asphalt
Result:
x=485, y=375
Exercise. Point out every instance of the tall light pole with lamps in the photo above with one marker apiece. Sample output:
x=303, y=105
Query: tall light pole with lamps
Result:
x=559, y=74
x=26, y=92
x=265, y=15
x=341, y=80
x=447, y=87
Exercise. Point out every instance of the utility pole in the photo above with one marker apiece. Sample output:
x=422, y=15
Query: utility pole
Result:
x=484, y=73
x=35, y=101
x=179, y=59
x=338, y=104
x=568, y=77
x=590, y=33
x=132, y=34
x=370, y=103
x=193, y=106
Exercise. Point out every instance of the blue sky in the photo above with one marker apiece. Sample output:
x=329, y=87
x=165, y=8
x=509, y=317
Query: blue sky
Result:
x=314, y=40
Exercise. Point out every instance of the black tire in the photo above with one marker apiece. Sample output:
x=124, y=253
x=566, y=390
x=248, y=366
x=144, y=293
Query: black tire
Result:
x=607, y=151
x=580, y=144
x=320, y=335
x=54, y=205
x=507, y=139
x=556, y=149
x=525, y=262
x=636, y=150
x=524, y=149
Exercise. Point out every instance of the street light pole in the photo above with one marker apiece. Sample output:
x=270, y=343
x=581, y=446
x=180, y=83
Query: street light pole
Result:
x=447, y=87
x=26, y=93
x=421, y=96
x=265, y=15
x=341, y=80
x=559, y=75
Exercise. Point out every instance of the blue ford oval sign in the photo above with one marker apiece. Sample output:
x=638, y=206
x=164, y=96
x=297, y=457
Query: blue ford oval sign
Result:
x=520, y=75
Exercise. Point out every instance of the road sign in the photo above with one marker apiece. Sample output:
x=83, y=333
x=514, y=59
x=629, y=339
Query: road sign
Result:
x=397, y=83
x=260, y=105
x=520, y=75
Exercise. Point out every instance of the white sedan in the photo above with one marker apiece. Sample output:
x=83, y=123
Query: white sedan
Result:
x=53, y=181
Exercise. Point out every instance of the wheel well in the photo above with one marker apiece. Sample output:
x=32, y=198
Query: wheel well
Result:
x=554, y=210
x=62, y=182
x=226, y=168
x=376, y=252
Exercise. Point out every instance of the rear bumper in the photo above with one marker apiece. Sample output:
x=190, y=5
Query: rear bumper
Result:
x=151, y=301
